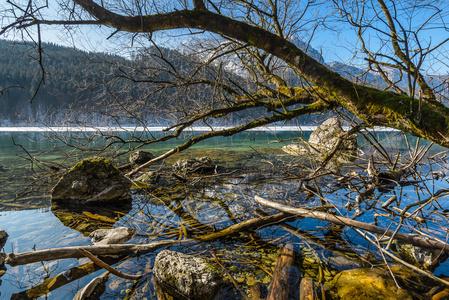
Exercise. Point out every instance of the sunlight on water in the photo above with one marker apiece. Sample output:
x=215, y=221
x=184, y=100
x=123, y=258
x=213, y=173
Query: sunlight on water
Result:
x=156, y=217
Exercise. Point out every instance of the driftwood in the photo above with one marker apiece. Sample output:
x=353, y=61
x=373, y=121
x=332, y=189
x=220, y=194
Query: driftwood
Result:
x=13, y=259
x=52, y=283
x=94, y=289
x=279, y=288
x=117, y=249
x=256, y=291
x=421, y=241
x=108, y=267
x=308, y=289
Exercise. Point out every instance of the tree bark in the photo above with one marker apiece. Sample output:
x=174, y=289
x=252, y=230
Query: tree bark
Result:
x=279, y=289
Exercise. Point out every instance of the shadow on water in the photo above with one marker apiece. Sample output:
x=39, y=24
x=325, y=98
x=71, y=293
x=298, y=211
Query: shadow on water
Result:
x=87, y=219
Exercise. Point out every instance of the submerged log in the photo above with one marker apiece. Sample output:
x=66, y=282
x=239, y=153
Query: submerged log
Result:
x=279, y=288
x=94, y=289
x=52, y=283
x=308, y=289
x=421, y=241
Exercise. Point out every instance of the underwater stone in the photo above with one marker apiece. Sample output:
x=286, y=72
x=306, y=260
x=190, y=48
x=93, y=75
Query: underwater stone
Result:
x=190, y=275
x=366, y=283
x=194, y=165
x=428, y=259
x=148, y=177
x=140, y=157
x=94, y=179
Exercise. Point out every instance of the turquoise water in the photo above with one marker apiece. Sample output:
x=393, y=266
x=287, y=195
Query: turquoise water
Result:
x=40, y=228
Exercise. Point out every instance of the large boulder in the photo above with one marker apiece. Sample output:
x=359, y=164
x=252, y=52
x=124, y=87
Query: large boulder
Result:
x=323, y=140
x=194, y=165
x=190, y=275
x=92, y=180
x=367, y=283
x=140, y=157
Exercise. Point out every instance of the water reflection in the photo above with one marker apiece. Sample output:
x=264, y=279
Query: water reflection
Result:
x=206, y=205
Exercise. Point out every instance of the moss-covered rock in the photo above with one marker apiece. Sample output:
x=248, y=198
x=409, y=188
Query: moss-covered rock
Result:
x=425, y=258
x=92, y=180
x=140, y=157
x=367, y=283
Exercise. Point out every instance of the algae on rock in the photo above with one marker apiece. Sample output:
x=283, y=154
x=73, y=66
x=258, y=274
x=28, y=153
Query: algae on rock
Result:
x=95, y=179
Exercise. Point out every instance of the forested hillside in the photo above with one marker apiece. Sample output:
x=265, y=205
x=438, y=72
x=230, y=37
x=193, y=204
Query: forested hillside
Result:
x=74, y=81
x=66, y=86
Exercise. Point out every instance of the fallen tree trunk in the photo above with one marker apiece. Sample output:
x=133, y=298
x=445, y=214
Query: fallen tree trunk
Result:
x=117, y=249
x=13, y=259
x=421, y=241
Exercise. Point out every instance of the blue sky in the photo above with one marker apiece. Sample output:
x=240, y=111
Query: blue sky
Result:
x=336, y=42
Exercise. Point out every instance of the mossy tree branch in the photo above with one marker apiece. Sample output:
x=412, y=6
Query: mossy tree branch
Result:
x=375, y=107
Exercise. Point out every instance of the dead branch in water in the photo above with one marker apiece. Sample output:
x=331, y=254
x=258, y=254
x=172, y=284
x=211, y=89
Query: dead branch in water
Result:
x=307, y=213
x=107, y=267
x=114, y=249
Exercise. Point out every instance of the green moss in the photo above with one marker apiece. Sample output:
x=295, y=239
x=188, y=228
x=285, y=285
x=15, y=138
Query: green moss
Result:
x=96, y=166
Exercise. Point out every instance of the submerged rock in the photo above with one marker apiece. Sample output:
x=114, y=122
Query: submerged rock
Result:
x=94, y=179
x=428, y=259
x=148, y=177
x=112, y=236
x=368, y=283
x=140, y=157
x=323, y=140
x=191, y=276
x=194, y=165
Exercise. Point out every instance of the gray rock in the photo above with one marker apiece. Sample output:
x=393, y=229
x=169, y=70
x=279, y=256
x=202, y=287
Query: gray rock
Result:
x=3, y=238
x=190, y=275
x=194, y=165
x=140, y=157
x=148, y=177
x=2, y=258
x=323, y=140
x=428, y=259
x=112, y=236
x=94, y=179
x=327, y=135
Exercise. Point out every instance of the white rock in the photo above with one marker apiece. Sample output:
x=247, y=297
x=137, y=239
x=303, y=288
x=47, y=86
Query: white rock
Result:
x=112, y=236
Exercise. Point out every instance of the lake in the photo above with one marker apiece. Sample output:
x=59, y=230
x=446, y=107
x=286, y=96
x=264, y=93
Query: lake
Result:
x=34, y=224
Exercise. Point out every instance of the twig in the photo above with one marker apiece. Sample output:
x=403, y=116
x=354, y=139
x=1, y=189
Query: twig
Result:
x=108, y=267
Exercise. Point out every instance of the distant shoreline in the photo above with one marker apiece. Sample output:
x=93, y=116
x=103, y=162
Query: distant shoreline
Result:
x=161, y=128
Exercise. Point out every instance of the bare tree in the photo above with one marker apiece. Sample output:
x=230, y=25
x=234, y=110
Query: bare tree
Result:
x=278, y=75
x=261, y=35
